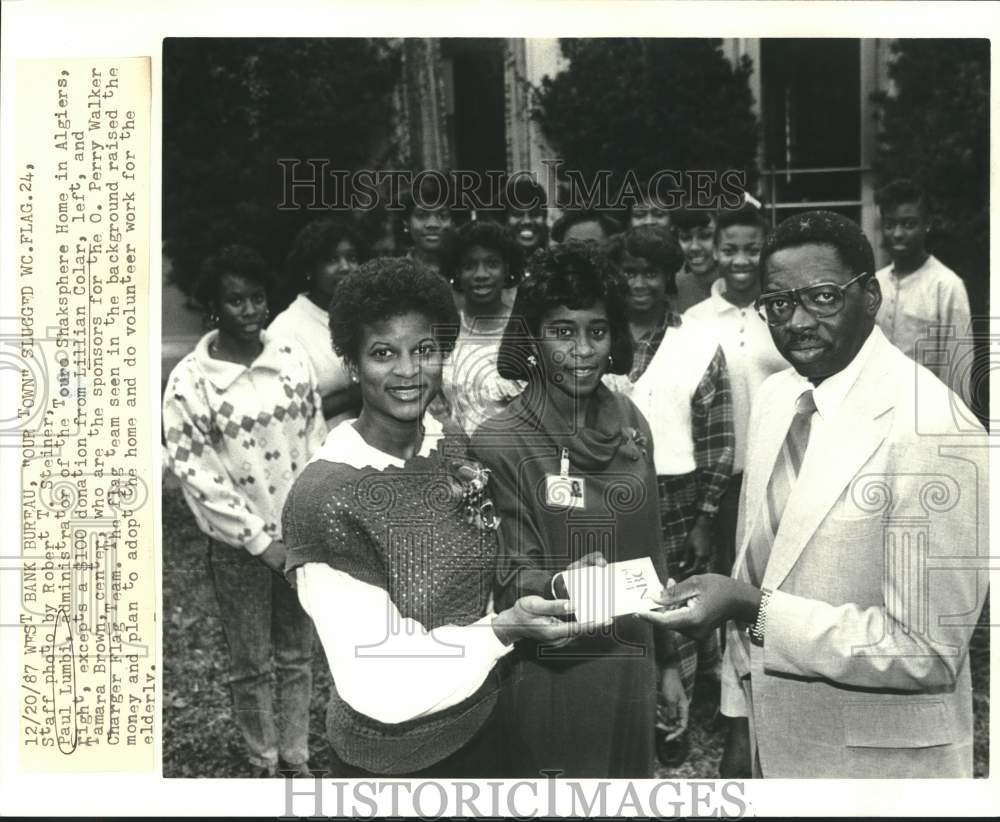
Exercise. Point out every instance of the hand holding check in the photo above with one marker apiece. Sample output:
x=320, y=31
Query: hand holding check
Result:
x=702, y=603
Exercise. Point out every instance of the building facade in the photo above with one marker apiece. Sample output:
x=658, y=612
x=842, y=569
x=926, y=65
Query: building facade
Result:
x=818, y=127
x=811, y=96
x=466, y=103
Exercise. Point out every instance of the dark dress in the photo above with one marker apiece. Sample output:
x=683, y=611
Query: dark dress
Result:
x=585, y=708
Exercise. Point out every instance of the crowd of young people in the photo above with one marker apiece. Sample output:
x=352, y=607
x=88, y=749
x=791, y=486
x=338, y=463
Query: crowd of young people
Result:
x=409, y=415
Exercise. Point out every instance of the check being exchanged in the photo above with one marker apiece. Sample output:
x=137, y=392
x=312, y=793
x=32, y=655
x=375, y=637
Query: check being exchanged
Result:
x=599, y=593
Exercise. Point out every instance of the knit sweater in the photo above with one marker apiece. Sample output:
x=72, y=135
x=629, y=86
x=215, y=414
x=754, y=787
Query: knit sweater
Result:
x=237, y=436
x=470, y=380
x=308, y=325
x=406, y=530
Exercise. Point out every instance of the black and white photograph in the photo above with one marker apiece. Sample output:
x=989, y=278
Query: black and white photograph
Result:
x=575, y=408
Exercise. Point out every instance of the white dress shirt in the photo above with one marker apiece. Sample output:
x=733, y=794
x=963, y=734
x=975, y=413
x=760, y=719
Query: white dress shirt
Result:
x=926, y=316
x=751, y=356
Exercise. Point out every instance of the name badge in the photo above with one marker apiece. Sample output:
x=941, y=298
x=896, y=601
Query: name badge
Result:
x=565, y=491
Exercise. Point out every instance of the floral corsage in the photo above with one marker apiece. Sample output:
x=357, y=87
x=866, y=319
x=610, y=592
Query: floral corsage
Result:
x=634, y=443
x=472, y=479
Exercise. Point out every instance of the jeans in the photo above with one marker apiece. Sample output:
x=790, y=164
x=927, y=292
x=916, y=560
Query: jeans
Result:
x=262, y=618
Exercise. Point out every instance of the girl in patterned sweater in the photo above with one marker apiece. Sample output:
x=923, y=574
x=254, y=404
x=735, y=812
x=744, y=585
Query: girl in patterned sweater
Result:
x=242, y=417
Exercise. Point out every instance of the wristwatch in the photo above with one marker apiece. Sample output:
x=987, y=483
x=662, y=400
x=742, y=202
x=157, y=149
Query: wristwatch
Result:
x=756, y=631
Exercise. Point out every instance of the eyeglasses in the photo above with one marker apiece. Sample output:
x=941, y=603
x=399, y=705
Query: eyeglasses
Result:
x=820, y=300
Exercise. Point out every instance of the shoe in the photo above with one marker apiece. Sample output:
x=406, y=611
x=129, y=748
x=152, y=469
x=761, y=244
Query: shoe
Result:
x=294, y=771
x=672, y=753
x=261, y=772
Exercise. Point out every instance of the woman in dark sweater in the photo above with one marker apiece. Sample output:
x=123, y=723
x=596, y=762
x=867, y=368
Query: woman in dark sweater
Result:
x=392, y=548
x=585, y=708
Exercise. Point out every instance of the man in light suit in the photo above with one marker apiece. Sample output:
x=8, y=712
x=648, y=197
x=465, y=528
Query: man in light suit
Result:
x=862, y=526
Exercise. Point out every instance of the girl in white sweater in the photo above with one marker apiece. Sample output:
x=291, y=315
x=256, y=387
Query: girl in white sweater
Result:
x=242, y=416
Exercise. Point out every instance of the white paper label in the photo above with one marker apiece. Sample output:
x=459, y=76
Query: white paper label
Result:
x=626, y=587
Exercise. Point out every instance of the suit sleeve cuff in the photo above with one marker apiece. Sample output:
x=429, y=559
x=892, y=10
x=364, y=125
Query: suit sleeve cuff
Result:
x=785, y=644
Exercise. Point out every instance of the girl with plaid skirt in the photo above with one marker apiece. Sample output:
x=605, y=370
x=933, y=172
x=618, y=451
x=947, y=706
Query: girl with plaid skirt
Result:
x=680, y=383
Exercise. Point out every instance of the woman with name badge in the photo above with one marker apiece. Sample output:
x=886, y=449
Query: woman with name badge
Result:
x=573, y=475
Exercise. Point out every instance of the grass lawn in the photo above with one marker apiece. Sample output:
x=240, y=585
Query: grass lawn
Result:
x=201, y=740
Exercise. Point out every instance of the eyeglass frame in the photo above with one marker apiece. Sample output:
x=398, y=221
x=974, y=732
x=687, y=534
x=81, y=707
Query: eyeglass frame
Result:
x=793, y=295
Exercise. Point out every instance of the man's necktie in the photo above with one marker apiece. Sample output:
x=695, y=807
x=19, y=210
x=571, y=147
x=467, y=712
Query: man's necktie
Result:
x=779, y=487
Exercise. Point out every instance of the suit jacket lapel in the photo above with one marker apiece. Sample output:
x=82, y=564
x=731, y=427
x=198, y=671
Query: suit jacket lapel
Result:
x=860, y=426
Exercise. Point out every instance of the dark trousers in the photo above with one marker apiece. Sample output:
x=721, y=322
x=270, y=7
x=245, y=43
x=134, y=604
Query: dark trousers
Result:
x=725, y=532
x=725, y=525
x=270, y=639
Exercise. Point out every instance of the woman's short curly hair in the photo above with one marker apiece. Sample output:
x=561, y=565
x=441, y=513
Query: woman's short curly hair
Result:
x=490, y=235
x=389, y=287
x=237, y=260
x=523, y=193
x=746, y=215
x=575, y=275
x=688, y=219
x=574, y=216
x=316, y=243
x=428, y=189
x=653, y=243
